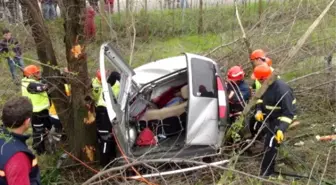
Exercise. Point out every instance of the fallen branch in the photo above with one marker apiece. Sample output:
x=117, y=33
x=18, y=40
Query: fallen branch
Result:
x=325, y=166
x=319, y=85
x=221, y=46
x=308, y=75
x=247, y=43
x=289, y=139
x=173, y=161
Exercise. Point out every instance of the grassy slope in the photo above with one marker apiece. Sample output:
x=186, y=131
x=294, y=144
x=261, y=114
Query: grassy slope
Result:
x=164, y=46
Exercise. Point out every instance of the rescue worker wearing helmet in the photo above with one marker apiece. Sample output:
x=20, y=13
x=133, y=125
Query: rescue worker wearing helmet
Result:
x=104, y=127
x=36, y=91
x=239, y=92
x=278, y=104
x=258, y=57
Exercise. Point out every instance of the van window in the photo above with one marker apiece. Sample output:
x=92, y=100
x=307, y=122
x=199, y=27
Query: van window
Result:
x=203, y=78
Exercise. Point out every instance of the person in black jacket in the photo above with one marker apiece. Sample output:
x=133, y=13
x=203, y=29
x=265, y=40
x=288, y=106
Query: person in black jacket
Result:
x=11, y=50
x=37, y=91
x=278, y=104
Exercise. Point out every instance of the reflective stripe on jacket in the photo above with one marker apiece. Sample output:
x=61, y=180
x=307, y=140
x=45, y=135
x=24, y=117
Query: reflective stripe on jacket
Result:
x=279, y=103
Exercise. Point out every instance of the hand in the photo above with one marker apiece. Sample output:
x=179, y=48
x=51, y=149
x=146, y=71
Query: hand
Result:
x=279, y=136
x=259, y=116
x=46, y=86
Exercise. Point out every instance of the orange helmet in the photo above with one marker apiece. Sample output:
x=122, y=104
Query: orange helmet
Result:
x=236, y=73
x=268, y=61
x=256, y=54
x=30, y=70
x=262, y=72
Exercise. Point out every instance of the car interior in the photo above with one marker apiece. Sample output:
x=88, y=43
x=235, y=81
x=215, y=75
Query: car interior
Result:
x=162, y=107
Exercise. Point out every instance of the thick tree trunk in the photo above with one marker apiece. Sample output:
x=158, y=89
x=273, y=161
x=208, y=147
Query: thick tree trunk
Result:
x=71, y=114
x=81, y=136
x=46, y=55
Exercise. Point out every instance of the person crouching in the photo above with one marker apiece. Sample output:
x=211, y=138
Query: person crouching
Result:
x=238, y=90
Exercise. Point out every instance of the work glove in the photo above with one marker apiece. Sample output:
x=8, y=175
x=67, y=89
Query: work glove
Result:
x=279, y=136
x=259, y=116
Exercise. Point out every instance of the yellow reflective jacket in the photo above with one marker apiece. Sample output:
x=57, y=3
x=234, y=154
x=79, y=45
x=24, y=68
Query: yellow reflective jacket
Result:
x=40, y=100
x=97, y=92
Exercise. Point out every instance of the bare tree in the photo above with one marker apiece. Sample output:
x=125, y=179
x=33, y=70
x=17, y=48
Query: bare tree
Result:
x=45, y=52
x=81, y=135
x=72, y=113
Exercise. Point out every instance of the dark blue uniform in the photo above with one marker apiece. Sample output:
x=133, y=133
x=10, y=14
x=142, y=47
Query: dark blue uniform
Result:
x=242, y=94
x=11, y=144
x=279, y=105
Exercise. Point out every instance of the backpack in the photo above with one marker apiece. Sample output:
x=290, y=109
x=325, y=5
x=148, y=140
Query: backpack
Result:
x=146, y=138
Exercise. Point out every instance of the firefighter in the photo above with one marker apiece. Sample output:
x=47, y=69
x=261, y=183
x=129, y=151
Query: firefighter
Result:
x=257, y=57
x=239, y=92
x=106, y=141
x=278, y=104
x=36, y=91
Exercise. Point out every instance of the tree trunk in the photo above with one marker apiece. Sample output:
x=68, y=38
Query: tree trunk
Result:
x=46, y=55
x=200, y=21
x=127, y=7
x=118, y=4
x=81, y=136
x=94, y=4
x=146, y=35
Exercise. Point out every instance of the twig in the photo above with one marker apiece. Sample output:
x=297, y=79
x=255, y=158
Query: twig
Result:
x=325, y=166
x=175, y=160
x=308, y=75
x=221, y=46
x=311, y=171
x=247, y=43
x=319, y=85
x=83, y=163
x=299, y=136
x=295, y=16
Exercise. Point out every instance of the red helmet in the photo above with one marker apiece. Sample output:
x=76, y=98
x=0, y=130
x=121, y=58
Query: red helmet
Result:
x=256, y=54
x=236, y=73
x=30, y=70
x=262, y=72
x=98, y=74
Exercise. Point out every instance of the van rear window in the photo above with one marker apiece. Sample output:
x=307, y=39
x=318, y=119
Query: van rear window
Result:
x=203, y=78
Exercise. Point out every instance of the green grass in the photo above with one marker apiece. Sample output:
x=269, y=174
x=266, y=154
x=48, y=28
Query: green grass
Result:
x=162, y=48
x=169, y=36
